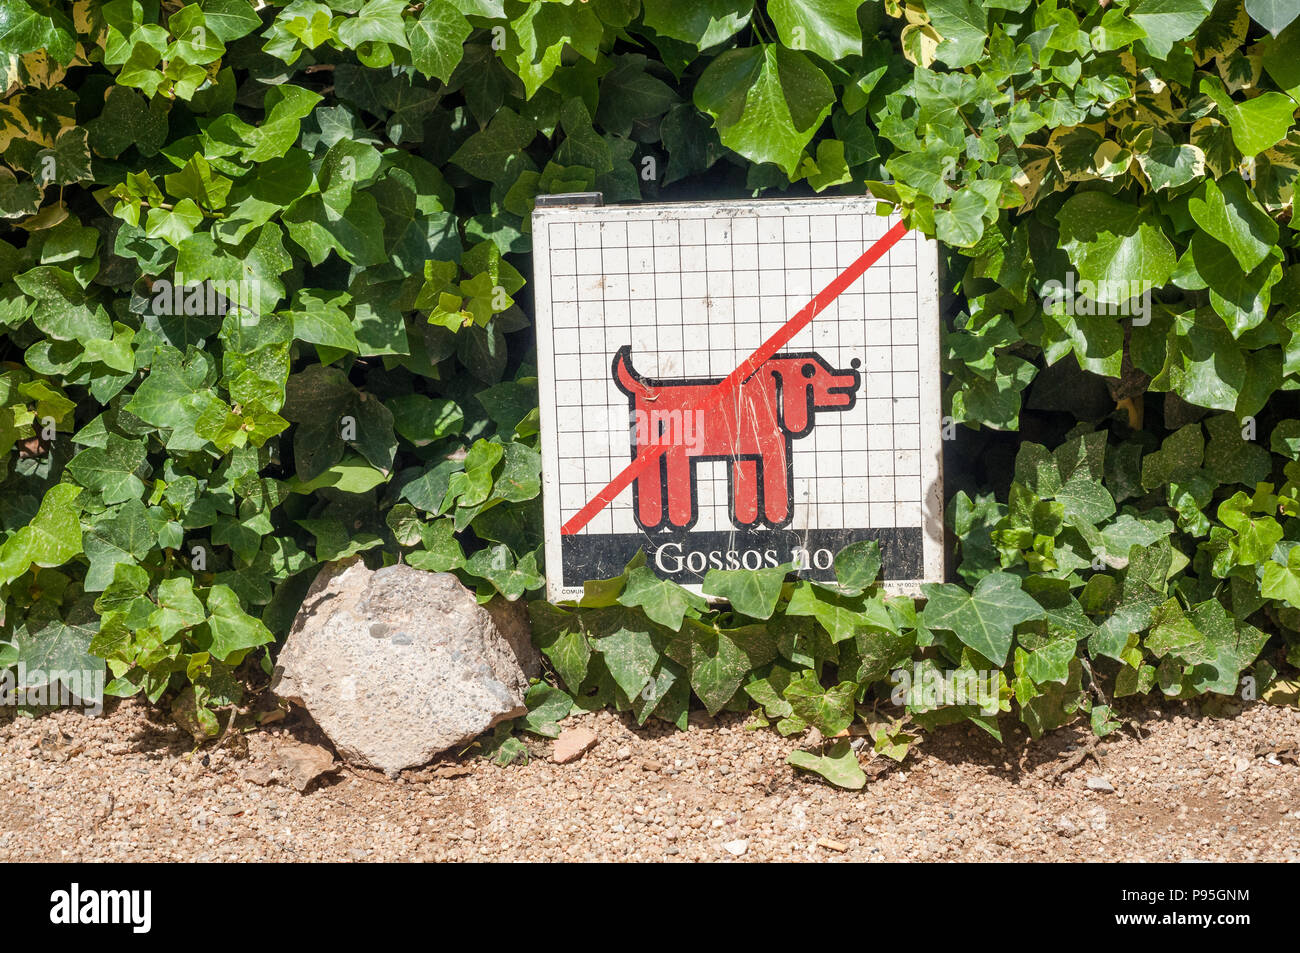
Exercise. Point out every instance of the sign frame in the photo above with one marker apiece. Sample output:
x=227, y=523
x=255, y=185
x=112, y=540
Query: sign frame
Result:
x=587, y=213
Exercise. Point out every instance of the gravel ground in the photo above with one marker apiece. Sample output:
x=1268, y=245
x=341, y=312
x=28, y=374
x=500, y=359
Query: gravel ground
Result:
x=131, y=786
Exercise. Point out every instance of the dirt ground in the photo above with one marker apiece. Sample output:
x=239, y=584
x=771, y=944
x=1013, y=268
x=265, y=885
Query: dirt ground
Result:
x=132, y=786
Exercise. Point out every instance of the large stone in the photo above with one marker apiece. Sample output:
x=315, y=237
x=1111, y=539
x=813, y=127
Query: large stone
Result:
x=512, y=621
x=397, y=664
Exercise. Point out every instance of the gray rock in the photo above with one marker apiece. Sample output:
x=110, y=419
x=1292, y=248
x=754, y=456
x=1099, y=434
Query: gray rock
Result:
x=512, y=621
x=398, y=664
x=1100, y=784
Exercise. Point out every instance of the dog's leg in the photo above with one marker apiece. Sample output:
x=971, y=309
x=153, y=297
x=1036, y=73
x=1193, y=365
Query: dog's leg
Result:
x=776, y=482
x=650, y=496
x=681, y=504
x=744, y=492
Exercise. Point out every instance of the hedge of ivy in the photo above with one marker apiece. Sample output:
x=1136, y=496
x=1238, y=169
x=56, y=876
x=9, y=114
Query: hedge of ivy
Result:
x=354, y=179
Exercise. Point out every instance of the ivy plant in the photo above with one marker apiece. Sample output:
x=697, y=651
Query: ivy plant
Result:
x=264, y=305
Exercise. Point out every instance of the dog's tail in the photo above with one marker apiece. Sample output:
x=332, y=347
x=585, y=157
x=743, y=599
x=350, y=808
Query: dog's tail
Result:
x=624, y=376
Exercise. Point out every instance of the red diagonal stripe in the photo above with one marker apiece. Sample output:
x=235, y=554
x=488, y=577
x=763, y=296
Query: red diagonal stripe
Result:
x=729, y=384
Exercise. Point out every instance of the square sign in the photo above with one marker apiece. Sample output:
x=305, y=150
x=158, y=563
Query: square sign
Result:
x=736, y=385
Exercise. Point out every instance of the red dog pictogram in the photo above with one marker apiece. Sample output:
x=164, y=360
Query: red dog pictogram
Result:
x=752, y=431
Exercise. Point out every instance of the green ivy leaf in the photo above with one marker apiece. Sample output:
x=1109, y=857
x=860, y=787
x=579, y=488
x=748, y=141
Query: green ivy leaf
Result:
x=488, y=153
x=63, y=309
x=719, y=659
x=178, y=607
x=751, y=592
x=547, y=707
x=230, y=19
x=766, y=101
x=112, y=469
x=1229, y=213
x=1114, y=245
x=703, y=23
x=51, y=538
x=1258, y=123
x=1272, y=15
x=828, y=28
x=838, y=765
x=562, y=640
x=662, y=600
x=1167, y=22
x=840, y=614
x=509, y=576
x=873, y=653
x=54, y=640
x=1240, y=298
x=829, y=710
x=543, y=31
x=1282, y=580
x=231, y=632
x=631, y=96
x=1228, y=646
x=963, y=26
x=628, y=644
x=985, y=618
x=437, y=39
x=24, y=29
x=128, y=119
x=857, y=565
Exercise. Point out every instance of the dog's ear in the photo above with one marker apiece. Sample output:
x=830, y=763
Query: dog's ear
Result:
x=795, y=386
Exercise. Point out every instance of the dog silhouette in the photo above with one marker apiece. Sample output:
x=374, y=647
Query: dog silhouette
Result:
x=752, y=428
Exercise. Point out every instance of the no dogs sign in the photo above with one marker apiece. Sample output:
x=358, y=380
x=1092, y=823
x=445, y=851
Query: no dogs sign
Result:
x=736, y=385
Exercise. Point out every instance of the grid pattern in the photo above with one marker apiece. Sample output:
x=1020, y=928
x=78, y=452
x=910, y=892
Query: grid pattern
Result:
x=694, y=297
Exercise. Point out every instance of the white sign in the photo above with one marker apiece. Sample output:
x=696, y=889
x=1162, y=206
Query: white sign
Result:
x=737, y=385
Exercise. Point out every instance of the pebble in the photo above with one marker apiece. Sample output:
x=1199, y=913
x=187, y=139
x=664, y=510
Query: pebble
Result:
x=1100, y=784
x=736, y=848
x=572, y=744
